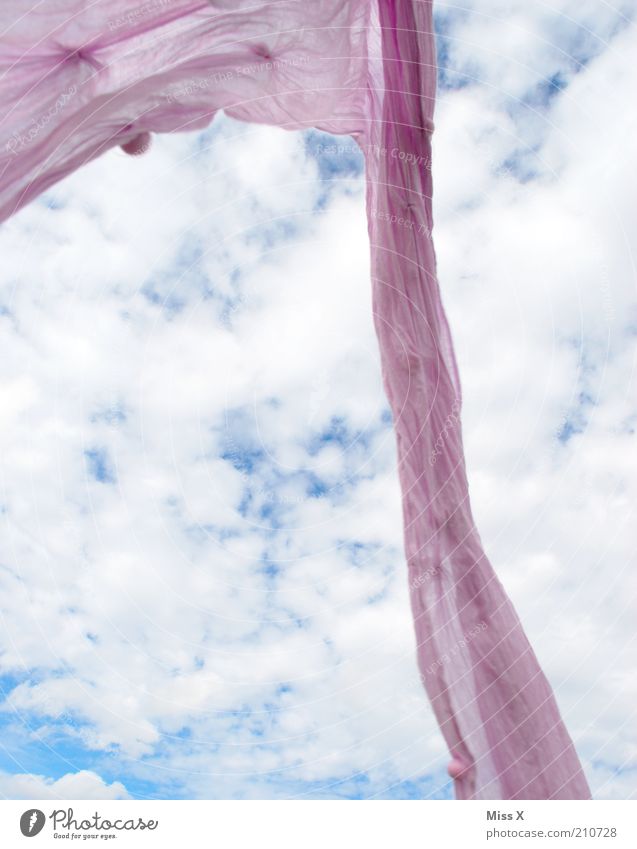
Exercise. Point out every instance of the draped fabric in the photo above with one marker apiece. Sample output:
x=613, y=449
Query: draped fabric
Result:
x=81, y=77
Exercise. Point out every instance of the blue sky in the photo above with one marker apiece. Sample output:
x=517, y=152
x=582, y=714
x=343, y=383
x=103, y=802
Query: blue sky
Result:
x=202, y=586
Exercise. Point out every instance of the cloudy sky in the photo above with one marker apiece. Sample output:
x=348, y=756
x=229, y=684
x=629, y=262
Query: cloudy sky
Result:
x=202, y=586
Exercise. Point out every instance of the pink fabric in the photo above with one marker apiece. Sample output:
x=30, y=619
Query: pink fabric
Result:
x=80, y=77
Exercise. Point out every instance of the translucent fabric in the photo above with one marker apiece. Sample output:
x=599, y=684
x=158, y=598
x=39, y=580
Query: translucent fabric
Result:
x=81, y=77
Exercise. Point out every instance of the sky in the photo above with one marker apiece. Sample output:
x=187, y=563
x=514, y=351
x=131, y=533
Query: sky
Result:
x=203, y=592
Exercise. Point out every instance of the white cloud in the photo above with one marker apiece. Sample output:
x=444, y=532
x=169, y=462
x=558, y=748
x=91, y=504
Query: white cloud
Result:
x=73, y=785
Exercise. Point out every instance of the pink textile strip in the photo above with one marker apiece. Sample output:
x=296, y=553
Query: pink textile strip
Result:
x=493, y=703
x=77, y=78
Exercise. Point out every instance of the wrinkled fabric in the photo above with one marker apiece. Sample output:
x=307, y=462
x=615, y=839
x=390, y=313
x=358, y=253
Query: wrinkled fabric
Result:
x=81, y=77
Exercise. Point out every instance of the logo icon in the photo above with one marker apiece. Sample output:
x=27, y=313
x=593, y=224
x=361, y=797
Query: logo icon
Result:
x=32, y=822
